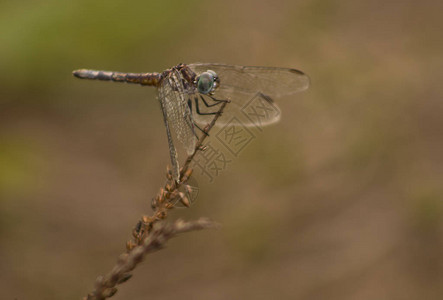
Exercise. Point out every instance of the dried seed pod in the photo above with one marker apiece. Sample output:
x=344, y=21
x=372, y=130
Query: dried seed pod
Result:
x=147, y=219
x=154, y=203
x=161, y=195
x=184, y=200
x=188, y=172
x=189, y=189
x=161, y=214
x=186, y=175
x=138, y=226
x=130, y=245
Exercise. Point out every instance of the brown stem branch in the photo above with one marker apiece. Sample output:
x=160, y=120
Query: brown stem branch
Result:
x=170, y=194
x=149, y=235
x=105, y=286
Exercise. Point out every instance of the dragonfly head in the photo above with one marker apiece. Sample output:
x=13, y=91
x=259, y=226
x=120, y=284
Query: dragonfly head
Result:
x=207, y=82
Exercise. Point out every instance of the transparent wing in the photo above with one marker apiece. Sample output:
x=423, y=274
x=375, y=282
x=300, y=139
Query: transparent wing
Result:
x=176, y=115
x=251, y=91
x=273, y=82
x=173, y=94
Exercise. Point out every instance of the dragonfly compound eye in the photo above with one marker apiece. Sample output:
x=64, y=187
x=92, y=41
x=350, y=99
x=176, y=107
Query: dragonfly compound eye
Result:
x=206, y=82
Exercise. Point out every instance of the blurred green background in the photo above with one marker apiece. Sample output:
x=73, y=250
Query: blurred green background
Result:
x=340, y=200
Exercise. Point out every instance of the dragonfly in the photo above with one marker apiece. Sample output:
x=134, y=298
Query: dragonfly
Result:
x=189, y=95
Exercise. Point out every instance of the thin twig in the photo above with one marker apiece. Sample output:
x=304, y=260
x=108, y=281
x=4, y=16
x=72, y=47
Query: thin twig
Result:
x=169, y=195
x=149, y=234
x=105, y=286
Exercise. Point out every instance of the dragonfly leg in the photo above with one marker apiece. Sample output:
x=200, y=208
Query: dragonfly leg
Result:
x=217, y=102
x=203, y=131
x=194, y=124
x=190, y=123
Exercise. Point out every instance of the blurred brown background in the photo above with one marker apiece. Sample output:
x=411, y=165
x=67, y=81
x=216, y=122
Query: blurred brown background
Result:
x=340, y=200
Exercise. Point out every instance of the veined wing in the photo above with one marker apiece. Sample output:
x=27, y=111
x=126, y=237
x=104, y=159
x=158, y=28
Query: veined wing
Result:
x=251, y=91
x=178, y=112
x=177, y=115
x=273, y=82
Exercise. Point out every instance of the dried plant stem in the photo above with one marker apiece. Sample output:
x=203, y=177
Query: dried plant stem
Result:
x=169, y=195
x=105, y=286
x=149, y=234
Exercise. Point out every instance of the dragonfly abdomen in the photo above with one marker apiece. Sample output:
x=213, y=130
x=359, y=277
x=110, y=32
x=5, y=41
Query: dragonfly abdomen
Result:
x=152, y=79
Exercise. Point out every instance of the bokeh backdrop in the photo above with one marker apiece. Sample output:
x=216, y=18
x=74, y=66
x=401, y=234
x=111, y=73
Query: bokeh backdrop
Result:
x=342, y=199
